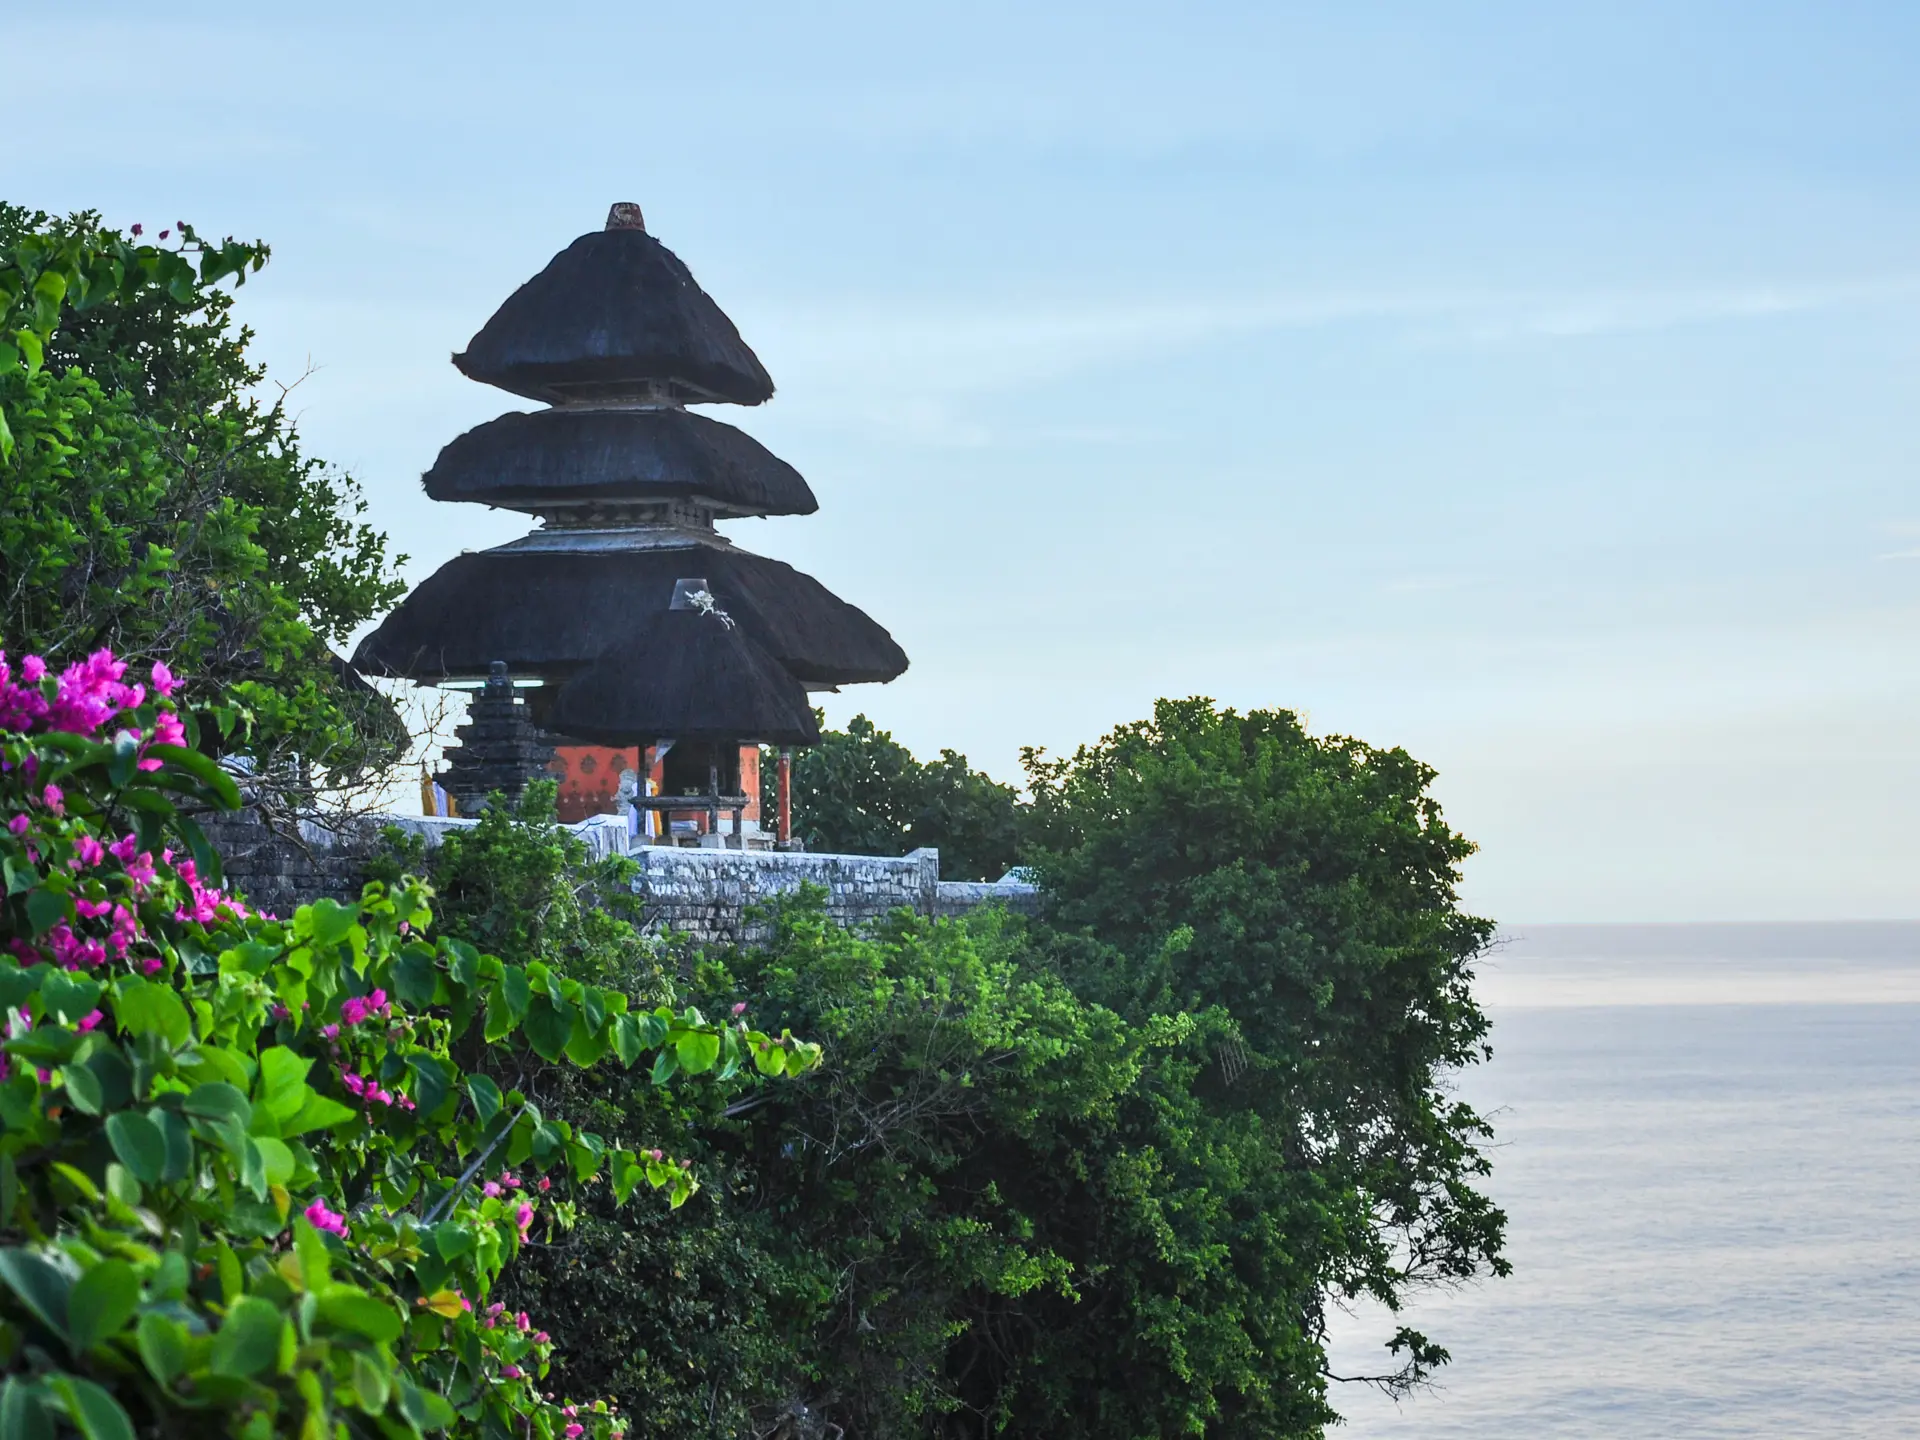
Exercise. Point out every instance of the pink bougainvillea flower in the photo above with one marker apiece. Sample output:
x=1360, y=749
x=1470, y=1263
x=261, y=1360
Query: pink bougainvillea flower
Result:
x=741, y=1008
x=322, y=1218
x=490, y=1190
x=545, y=1184
x=19, y=824
x=55, y=799
x=163, y=681
x=93, y=909
x=512, y=1372
x=88, y=851
x=90, y=1021
x=523, y=1218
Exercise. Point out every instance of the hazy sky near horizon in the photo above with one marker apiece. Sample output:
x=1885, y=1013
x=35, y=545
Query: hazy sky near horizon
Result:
x=1530, y=386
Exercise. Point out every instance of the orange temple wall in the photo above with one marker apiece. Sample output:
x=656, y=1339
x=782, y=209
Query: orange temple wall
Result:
x=589, y=777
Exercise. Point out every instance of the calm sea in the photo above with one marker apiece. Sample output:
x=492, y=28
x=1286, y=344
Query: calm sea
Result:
x=1710, y=1154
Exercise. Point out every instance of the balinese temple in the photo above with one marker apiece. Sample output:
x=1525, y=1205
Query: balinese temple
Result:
x=626, y=636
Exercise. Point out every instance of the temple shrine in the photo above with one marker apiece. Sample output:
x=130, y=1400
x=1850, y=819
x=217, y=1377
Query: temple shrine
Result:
x=626, y=646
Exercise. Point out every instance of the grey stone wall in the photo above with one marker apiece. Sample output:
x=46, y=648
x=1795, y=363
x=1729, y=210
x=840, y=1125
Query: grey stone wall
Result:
x=707, y=893
x=702, y=893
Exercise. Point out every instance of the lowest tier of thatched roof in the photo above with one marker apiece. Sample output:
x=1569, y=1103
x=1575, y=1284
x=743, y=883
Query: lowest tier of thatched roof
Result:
x=549, y=612
x=550, y=458
x=615, y=315
x=687, y=675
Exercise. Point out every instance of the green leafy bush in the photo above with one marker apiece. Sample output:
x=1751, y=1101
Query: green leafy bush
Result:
x=861, y=792
x=154, y=505
x=1098, y=1176
x=246, y=1183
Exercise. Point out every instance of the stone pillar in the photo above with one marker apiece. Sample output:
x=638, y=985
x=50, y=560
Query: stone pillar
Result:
x=500, y=747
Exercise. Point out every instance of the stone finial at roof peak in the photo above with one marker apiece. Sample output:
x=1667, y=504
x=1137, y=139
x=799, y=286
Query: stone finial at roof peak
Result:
x=625, y=215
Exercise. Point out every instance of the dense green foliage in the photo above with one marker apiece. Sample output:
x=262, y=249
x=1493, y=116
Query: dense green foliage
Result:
x=1100, y=1176
x=153, y=505
x=861, y=792
x=246, y=1164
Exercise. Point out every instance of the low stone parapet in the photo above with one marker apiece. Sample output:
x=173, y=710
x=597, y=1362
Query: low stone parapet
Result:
x=704, y=893
x=708, y=893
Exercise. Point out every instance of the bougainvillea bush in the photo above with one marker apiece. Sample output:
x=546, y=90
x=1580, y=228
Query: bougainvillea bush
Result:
x=259, y=1175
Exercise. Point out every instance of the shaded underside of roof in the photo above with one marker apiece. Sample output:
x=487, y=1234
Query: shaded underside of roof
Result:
x=547, y=613
x=527, y=461
x=685, y=675
x=615, y=315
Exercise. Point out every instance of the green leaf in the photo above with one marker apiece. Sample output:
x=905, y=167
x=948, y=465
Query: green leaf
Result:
x=369, y=1383
x=217, y=1100
x=626, y=1039
x=432, y=1080
x=275, y=1158
x=102, y=1302
x=22, y=1415
x=452, y=1239
x=41, y=1286
x=317, y=1113
x=626, y=1175
x=332, y=922
x=46, y=909
x=94, y=1412
x=585, y=1046
x=547, y=1028
x=71, y=997
x=316, y=1265
x=143, y=1008
x=486, y=1098
x=425, y=1409
x=347, y=1308
x=17, y=984
x=83, y=1089
x=697, y=1051
x=163, y=1346
x=664, y=1066
x=219, y=784
x=179, y=1144
x=283, y=1081
x=138, y=1144
x=414, y=977
x=249, y=1338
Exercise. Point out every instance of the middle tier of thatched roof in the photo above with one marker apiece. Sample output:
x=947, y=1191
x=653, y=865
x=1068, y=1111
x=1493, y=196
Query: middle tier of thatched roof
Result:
x=551, y=459
x=547, y=612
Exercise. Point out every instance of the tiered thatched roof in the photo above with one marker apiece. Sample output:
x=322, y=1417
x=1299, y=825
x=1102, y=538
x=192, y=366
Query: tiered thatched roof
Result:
x=551, y=612
x=615, y=315
x=618, y=337
x=690, y=675
x=552, y=458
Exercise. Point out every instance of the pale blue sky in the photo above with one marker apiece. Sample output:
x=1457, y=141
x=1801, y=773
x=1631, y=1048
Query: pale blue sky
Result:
x=1532, y=386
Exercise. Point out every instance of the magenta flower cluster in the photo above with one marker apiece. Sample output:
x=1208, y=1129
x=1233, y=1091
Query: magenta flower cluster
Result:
x=357, y=1009
x=324, y=1219
x=86, y=695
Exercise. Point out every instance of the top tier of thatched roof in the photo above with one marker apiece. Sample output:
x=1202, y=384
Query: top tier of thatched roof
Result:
x=616, y=316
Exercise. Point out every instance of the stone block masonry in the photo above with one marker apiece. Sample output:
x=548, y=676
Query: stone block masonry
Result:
x=705, y=894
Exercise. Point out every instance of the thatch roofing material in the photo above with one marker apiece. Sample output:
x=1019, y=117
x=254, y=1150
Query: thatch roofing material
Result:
x=616, y=315
x=685, y=675
x=527, y=462
x=550, y=612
